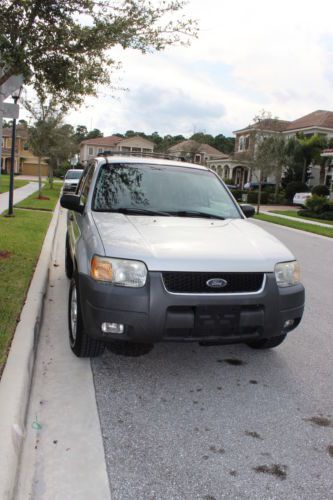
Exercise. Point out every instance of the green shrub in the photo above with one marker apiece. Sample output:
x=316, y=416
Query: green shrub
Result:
x=252, y=197
x=237, y=193
x=320, y=190
x=295, y=187
x=281, y=199
x=327, y=215
x=317, y=204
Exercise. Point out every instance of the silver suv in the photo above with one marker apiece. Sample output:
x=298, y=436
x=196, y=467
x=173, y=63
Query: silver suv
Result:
x=159, y=250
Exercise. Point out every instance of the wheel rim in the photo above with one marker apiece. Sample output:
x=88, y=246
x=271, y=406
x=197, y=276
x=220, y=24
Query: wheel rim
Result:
x=74, y=313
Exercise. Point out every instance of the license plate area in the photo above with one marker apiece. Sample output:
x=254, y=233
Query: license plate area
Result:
x=217, y=321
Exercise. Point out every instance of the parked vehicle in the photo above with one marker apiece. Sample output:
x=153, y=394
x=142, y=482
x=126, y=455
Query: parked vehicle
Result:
x=300, y=199
x=254, y=186
x=71, y=180
x=159, y=250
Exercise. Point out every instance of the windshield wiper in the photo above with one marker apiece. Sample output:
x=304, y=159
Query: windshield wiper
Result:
x=138, y=211
x=196, y=213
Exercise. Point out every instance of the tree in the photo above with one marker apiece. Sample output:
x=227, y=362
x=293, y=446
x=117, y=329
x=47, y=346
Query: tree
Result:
x=203, y=138
x=310, y=149
x=275, y=150
x=262, y=155
x=81, y=133
x=62, y=148
x=225, y=144
x=93, y=134
x=63, y=48
x=43, y=134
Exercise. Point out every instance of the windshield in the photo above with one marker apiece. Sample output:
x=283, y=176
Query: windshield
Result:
x=74, y=174
x=162, y=190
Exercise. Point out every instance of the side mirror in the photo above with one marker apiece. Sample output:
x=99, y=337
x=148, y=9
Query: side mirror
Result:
x=71, y=202
x=248, y=210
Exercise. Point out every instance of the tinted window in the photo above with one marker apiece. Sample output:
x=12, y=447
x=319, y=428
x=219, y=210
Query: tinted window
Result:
x=161, y=188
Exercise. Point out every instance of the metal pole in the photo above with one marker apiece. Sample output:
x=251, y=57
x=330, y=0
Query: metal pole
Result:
x=11, y=179
x=1, y=117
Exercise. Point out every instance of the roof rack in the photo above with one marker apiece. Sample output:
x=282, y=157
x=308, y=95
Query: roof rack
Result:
x=163, y=156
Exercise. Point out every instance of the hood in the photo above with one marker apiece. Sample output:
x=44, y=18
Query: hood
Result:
x=190, y=244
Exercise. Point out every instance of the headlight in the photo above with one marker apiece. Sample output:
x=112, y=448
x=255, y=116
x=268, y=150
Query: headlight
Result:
x=287, y=273
x=119, y=272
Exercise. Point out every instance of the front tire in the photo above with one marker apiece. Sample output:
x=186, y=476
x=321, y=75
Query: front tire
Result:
x=267, y=343
x=81, y=344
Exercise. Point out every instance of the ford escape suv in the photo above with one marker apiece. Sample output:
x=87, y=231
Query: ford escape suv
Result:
x=159, y=250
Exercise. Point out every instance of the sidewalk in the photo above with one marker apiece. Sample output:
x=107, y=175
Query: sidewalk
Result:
x=19, y=195
x=63, y=454
x=303, y=220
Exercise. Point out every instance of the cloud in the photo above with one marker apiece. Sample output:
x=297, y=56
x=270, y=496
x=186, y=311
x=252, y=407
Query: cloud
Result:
x=249, y=56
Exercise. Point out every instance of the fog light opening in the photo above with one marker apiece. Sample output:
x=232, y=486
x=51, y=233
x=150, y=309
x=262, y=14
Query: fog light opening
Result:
x=289, y=323
x=113, y=328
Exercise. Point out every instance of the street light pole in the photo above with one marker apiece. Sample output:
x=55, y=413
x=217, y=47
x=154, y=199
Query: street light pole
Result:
x=15, y=97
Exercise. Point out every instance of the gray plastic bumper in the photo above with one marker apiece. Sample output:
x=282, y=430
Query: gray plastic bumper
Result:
x=151, y=314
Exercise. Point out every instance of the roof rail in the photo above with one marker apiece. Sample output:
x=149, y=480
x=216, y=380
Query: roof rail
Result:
x=163, y=156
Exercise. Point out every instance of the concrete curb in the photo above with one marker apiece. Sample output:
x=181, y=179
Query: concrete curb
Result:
x=16, y=380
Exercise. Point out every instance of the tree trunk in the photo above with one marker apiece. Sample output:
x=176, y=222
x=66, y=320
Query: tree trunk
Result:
x=304, y=171
x=322, y=172
x=51, y=176
x=259, y=192
x=277, y=181
x=39, y=177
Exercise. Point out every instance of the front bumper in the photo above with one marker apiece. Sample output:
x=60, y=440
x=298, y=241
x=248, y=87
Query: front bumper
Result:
x=152, y=314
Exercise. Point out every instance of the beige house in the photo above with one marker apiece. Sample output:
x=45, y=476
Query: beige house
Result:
x=239, y=165
x=92, y=147
x=194, y=152
x=25, y=162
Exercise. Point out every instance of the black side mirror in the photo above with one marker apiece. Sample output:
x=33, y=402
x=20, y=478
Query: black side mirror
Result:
x=71, y=202
x=248, y=210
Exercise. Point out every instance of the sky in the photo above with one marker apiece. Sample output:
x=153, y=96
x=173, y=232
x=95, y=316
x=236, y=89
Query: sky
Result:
x=250, y=55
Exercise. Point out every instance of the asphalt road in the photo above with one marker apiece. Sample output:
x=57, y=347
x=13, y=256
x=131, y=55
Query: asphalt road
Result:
x=190, y=422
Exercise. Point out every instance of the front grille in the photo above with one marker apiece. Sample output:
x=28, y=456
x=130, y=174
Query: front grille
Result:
x=183, y=282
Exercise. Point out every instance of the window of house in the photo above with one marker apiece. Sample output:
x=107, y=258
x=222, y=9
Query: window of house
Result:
x=147, y=150
x=247, y=142
x=90, y=151
x=125, y=148
x=136, y=150
x=26, y=146
x=197, y=158
x=100, y=150
x=241, y=143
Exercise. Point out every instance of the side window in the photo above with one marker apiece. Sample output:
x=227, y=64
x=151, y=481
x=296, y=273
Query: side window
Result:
x=86, y=185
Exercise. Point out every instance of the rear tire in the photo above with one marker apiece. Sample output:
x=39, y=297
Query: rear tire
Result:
x=267, y=343
x=81, y=344
x=69, y=268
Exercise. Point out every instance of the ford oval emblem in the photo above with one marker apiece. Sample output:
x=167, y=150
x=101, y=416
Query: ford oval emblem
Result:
x=216, y=283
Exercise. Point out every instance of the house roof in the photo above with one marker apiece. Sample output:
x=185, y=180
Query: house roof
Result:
x=268, y=124
x=319, y=118
x=190, y=145
x=21, y=131
x=110, y=140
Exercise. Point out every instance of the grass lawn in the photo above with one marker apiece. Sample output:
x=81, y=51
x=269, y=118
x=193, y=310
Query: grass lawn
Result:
x=4, y=183
x=291, y=213
x=21, y=239
x=34, y=203
x=310, y=228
